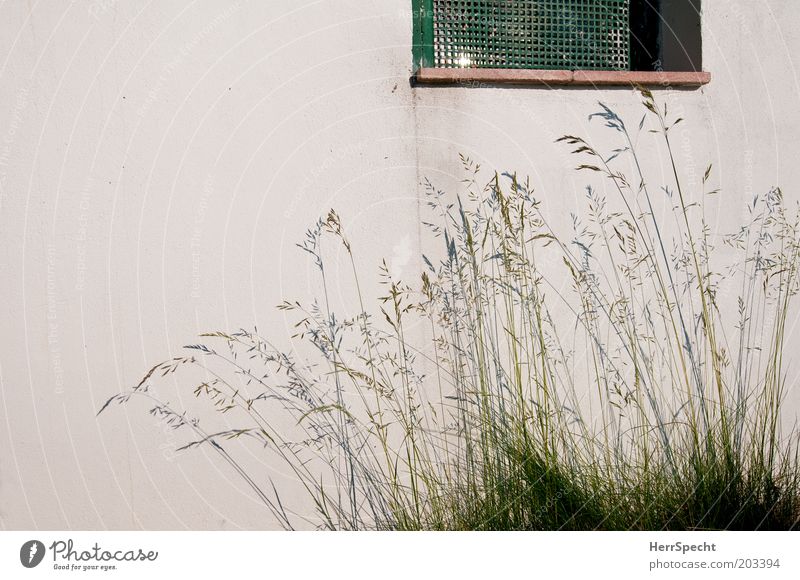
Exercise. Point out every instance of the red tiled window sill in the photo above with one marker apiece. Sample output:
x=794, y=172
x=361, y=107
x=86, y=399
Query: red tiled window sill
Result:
x=578, y=78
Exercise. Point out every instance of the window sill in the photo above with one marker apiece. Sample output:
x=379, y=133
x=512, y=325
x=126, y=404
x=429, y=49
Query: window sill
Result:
x=578, y=78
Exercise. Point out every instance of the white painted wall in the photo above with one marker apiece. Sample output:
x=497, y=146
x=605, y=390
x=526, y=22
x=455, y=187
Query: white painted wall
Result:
x=159, y=160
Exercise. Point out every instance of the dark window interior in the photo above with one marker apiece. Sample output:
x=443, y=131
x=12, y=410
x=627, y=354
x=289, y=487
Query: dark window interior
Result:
x=665, y=35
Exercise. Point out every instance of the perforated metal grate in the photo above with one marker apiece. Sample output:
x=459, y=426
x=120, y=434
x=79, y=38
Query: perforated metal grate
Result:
x=542, y=34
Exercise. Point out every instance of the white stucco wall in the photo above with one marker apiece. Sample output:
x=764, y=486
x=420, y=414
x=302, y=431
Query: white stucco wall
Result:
x=158, y=162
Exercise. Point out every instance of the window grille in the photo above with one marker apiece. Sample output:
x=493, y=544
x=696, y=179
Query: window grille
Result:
x=531, y=34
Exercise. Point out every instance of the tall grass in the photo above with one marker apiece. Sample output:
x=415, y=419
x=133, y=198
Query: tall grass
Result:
x=645, y=393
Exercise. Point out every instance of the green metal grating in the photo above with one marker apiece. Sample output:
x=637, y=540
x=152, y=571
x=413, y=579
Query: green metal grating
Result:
x=539, y=34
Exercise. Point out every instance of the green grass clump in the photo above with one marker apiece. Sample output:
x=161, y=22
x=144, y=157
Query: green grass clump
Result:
x=614, y=377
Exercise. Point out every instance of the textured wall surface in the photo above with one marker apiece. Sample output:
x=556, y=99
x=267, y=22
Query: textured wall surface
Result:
x=159, y=161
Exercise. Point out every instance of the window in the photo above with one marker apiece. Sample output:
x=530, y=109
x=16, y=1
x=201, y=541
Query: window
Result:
x=564, y=40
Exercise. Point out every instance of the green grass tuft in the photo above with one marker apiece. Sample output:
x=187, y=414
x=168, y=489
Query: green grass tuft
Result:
x=617, y=376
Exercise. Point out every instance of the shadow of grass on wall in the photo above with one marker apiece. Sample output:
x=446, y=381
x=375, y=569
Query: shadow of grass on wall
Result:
x=617, y=376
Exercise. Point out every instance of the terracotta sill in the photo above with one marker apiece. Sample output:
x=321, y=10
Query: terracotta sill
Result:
x=578, y=78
